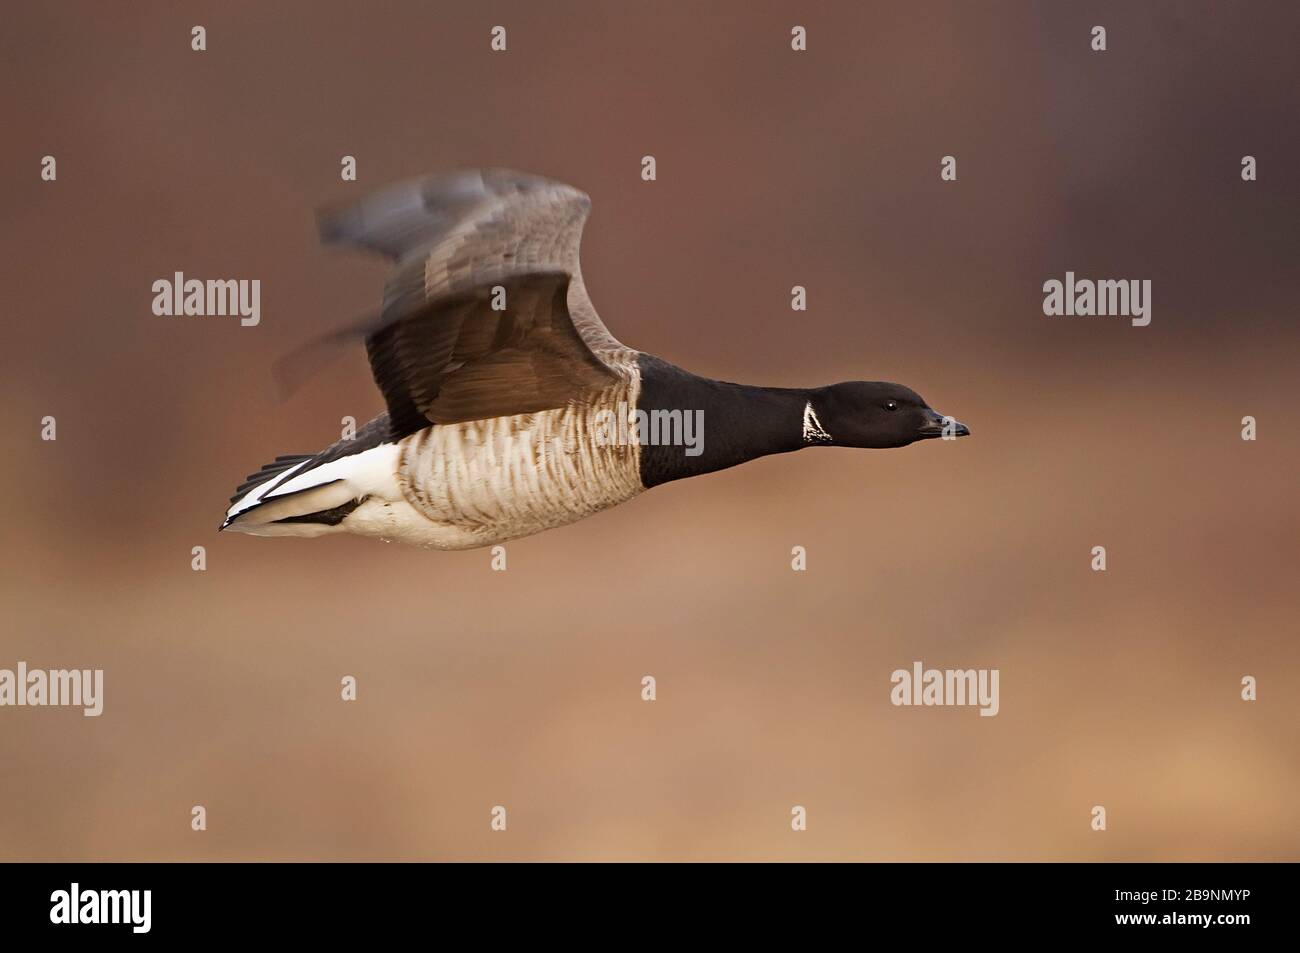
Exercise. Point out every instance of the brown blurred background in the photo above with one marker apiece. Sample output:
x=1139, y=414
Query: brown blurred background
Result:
x=522, y=688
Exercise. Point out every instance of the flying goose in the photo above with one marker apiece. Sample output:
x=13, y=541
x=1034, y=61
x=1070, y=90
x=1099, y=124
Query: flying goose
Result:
x=511, y=408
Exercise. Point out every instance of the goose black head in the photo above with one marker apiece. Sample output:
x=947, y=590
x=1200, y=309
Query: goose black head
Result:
x=874, y=414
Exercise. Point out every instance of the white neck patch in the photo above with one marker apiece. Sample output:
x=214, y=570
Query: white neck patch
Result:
x=812, y=427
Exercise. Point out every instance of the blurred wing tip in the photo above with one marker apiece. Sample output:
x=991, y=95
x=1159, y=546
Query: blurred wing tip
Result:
x=291, y=371
x=392, y=218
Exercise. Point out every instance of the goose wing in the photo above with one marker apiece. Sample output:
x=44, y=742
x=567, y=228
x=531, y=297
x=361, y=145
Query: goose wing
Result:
x=485, y=314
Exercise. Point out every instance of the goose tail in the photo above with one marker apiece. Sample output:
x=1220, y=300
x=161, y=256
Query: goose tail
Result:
x=306, y=495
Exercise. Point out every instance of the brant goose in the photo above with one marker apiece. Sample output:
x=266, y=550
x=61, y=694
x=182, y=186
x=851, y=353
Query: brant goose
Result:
x=511, y=408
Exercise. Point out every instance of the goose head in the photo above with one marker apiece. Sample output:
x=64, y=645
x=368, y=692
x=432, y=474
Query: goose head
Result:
x=874, y=415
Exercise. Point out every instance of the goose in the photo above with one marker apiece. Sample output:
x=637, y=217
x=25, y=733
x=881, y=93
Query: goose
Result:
x=510, y=408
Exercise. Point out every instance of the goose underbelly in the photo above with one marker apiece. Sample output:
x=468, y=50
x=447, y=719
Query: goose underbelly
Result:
x=462, y=485
x=486, y=481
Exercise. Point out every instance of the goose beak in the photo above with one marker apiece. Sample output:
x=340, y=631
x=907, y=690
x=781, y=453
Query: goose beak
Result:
x=937, y=425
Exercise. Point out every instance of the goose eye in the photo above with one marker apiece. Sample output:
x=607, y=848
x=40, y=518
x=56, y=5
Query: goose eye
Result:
x=891, y=405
